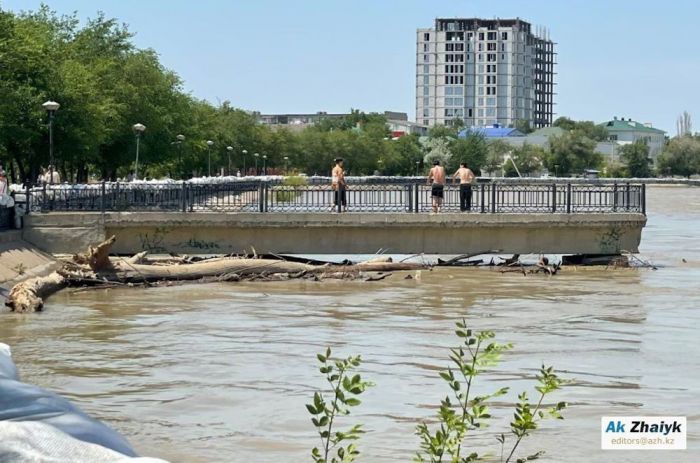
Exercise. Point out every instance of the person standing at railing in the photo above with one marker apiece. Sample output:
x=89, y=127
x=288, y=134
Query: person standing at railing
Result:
x=437, y=178
x=466, y=177
x=339, y=186
x=4, y=188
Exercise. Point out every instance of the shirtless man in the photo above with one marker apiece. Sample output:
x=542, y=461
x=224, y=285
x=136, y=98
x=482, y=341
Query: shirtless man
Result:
x=437, y=177
x=466, y=177
x=339, y=186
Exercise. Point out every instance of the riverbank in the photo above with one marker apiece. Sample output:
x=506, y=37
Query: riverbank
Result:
x=20, y=260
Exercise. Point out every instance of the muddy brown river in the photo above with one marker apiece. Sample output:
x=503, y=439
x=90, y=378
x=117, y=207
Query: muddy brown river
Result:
x=221, y=372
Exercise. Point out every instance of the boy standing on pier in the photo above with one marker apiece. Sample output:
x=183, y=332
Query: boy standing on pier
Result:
x=466, y=177
x=339, y=186
x=437, y=177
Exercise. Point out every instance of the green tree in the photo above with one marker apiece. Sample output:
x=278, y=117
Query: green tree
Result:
x=523, y=125
x=529, y=159
x=571, y=153
x=473, y=150
x=588, y=128
x=636, y=158
x=496, y=155
x=681, y=157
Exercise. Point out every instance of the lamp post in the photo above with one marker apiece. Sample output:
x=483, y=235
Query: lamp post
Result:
x=180, y=138
x=556, y=168
x=138, y=130
x=264, y=164
x=256, y=155
x=417, y=167
x=51, y=107
x=209, y=145
x=286, y=165
x=228, y=151
x=245, y=153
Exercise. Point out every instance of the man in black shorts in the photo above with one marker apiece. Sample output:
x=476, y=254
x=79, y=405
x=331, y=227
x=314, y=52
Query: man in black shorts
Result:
x=437, y=177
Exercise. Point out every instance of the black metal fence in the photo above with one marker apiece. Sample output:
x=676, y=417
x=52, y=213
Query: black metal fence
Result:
x=273, y=196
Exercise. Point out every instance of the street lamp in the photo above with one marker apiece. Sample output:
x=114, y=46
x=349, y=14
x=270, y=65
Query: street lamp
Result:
x=229, y=149
x=286, y=165
x=51, y=107
x=180, y=138
x=417, y=167
x=264, y=164
x=209, y=145
x=138, y=130
x=245, y=153
x=556, y=167
x=256, y=155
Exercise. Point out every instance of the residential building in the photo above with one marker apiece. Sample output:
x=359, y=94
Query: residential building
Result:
x=397, y=122
x=485, y=72
x=625, y=131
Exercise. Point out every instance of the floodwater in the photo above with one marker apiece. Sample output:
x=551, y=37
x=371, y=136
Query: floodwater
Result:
x=221, y=372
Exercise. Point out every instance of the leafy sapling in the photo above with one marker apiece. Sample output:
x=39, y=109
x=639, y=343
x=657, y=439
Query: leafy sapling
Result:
x=325, y=409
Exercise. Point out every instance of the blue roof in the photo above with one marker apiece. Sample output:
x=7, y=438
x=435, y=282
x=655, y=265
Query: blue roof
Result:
x=492, y=132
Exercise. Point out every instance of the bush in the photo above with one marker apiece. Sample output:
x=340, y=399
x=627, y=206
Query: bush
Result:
x=290, y=190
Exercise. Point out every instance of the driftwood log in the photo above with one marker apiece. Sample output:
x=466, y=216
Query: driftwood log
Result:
x=96, y=267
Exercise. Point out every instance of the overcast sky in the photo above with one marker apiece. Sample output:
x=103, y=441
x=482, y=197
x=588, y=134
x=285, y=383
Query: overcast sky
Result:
x=628, y=59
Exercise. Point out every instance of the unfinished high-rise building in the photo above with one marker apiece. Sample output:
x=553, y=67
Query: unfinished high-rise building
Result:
x=484, y=72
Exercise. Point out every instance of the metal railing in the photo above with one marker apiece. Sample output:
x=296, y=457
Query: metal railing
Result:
x=384, y=197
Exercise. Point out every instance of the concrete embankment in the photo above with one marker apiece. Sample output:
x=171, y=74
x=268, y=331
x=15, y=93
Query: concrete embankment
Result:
x=352, y=233
x=20, y=260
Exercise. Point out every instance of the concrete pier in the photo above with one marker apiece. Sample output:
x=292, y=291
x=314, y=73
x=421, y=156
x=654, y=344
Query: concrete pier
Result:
x=351, y=233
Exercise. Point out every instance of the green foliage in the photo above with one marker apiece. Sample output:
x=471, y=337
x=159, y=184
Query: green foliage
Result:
x=473, y=150
x=529, y=159
x=572, y=153
x=290, y=192
x=464, y=412
x=344, y=389
x=636, y=157
x=496, y=153
x=523, y=125
x=681, y=157
x=588, y=128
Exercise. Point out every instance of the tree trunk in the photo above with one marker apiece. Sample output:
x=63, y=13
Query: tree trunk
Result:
x=29, y=295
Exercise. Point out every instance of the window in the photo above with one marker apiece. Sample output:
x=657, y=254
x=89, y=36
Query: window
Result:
x=426, y=69
x=426, y=91
x=426, y=122
x=458, y=101
x=426, y=47
x=503, y=47
x=426, y=112
x=459, y=58
x=459, y=46
x=480, y=79
x=491, y=46
x=481, y=67
x=448, y=90
x=481, y=90
x=481, y=36
x=504, y=36
x=458, y=90
x=426, y=58
x=470, y=112
x=468, y=57
x=426, y=80
x=448, y=101
x=426, y=101
x=492, y=36
x=490, y=79
x=490, y=112
x=503, y=57
x=480, y=113
x=491, y=57
x=450, y=47
x=481, y=46
x=481, y=101
x=426, y=36
x=480, y=57
x=490, y=90
x=490, y=101
x=490, y=68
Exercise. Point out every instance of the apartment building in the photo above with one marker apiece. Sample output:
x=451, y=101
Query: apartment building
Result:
x=484, y=72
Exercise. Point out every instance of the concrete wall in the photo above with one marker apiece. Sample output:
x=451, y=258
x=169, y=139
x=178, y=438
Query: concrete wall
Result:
x=338, y=233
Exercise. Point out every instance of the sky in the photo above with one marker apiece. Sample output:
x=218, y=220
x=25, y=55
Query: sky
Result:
x=615, y=58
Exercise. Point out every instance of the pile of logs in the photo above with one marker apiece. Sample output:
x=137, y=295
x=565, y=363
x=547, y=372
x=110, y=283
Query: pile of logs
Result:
x=97, y=268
